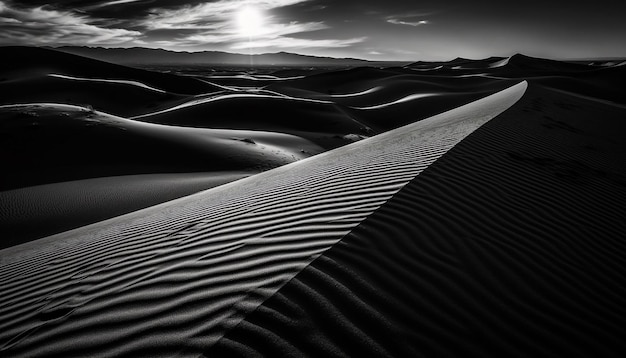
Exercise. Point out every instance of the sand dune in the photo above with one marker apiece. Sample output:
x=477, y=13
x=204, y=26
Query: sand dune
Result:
x=23, y=62
x=460, y=63
x=50, y=143
x=228, y=96
x=248, y=80
x=286, y=114
x=111, y=96
x=30, y=75
x=371, y=91
x=535, y=66
x=125, y=82
x=354, y=89
x=55, y=136
x=404, y=99
x=48, y=147
x=38, y=211
x=254, y=77
x=361, y=93
x=512, y=244
x=606, y=84
x=390, y=115
x=174, y=278
x=577, y=77
x=341, y=81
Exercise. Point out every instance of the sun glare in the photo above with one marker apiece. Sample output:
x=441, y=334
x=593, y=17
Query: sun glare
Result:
x=250, y=21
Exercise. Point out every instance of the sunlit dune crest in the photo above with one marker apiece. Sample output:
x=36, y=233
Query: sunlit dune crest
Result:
x=401, y=100
x=132, y=83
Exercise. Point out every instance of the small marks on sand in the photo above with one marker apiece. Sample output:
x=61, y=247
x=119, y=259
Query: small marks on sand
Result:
x=245, y=140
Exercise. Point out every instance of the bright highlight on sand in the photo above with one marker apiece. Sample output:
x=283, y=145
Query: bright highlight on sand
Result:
x=250, y=21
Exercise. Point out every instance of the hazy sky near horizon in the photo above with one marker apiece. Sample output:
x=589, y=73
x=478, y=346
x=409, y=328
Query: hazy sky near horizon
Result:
x=372, y=29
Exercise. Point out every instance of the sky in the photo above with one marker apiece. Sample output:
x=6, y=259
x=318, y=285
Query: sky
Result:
x=407, y=30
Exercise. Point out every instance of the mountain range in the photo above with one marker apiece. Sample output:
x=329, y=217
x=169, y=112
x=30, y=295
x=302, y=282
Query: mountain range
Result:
x=148, y=56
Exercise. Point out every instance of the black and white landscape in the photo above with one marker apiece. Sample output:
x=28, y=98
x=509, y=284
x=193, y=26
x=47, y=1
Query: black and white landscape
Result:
x=287, y=178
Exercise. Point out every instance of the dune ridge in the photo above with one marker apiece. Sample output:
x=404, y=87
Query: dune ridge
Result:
x=173, y=278
x=125, y=82
x=510, y=245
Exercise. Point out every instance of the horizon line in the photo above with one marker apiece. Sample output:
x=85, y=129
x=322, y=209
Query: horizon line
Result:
x=603, y=58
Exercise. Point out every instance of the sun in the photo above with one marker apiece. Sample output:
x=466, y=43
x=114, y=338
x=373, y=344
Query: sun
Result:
x=250, y=21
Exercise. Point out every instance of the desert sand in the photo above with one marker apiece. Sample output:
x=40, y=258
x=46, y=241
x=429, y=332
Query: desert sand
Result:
x=461, y=208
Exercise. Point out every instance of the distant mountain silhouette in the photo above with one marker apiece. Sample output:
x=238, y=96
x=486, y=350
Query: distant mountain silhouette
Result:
x=140, y=55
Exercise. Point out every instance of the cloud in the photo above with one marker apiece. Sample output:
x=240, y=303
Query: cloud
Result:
x=206, y=15
x=408, y=23
x=225, y=34
x=109, y=3
x=274, y=36
x=215, y=24
x=45, y=25
x=409, y=19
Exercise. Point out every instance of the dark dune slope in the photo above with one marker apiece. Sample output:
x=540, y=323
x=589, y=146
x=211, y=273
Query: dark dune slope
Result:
x=607, y=83
x=338, y=81
x=52, y=143
x=397, y=115
x=603, y=83
x=442, y=94
x=18, y=62
x=360, y=89
x=535, y=66
x=115, y=98
x=34, y=212
x=370, y=88
x=243, y=111
x=511, y=245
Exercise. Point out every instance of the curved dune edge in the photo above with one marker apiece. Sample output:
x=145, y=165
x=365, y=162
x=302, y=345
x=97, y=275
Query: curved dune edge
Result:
x=124, y=82
x=511, y=245
x=171, y=279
